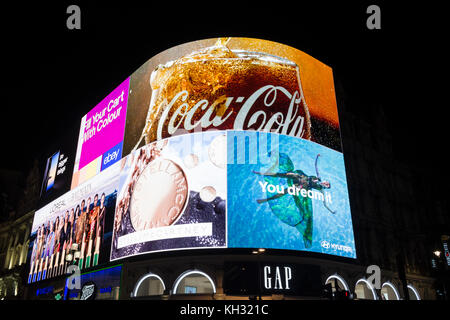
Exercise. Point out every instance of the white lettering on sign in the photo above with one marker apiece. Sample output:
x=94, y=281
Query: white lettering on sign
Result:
x=104, y=117
x=111, y=156
x=278, y=279
x=289, y=123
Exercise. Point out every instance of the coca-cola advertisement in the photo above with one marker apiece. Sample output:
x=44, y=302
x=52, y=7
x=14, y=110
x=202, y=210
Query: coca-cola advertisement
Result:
x=232, y=84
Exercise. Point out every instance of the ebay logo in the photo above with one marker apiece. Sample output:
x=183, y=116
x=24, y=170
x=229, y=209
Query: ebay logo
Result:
x=112, y=156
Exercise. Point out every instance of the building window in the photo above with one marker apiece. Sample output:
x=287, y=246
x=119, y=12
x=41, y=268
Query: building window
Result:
x=388, y=292
x=364, y=290
x=413, y=294
x=337, y=283
x=149, y=285
x=2, y=289
x=194, y=282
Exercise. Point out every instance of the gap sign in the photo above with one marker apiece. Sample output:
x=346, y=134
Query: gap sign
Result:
x=278, y=277
x=267, y=278
x=290, y=279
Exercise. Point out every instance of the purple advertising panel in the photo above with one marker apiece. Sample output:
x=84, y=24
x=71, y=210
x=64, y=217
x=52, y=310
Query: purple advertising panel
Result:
x=101, y=135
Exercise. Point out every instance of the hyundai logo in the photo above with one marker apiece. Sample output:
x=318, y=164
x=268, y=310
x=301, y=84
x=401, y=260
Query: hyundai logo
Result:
x=325, y=244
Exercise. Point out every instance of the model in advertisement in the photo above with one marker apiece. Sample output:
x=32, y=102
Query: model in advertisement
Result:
x=293, y=200
x=73, y=229
x=302, y=218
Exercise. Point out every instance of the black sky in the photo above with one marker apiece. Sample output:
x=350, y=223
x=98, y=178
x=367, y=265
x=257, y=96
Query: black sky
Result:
x=53, y=76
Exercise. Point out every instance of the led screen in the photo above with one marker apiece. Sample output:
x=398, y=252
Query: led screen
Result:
x=290, y=192
x=217, y=143
x=56, y=168
x=232, y=83
x=172, y=195
x=294, y=193
x=50, y=178
x=75, y=228
x=101, y=135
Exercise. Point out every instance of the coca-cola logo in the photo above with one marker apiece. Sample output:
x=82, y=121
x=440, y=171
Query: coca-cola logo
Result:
x=294, y=121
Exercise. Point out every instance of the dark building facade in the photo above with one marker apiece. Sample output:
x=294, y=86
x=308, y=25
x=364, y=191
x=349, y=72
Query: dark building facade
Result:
x=14, y=237
x=398, y=226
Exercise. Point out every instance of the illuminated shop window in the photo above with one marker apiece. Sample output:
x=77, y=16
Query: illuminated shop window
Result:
x=2, y=289
x=413, y=294
x=364, y=290
x=149, y=285
x=194, y=282
x=337, y=283
x=388, y=292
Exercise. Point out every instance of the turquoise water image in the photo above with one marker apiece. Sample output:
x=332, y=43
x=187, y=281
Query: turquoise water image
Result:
x=287, y=193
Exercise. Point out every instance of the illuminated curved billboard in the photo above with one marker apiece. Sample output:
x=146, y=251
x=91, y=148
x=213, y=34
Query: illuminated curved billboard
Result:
x=216, y=143
x=233, y=189
x=232, y=84
x=245, y=90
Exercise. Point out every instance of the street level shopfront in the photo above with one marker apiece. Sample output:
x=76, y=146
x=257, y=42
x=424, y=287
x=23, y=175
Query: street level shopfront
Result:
x=260, y=275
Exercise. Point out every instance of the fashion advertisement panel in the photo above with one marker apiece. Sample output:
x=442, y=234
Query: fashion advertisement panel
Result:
x=75, y=228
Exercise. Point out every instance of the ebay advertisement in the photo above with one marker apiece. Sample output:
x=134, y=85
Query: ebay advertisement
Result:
x=101, y=135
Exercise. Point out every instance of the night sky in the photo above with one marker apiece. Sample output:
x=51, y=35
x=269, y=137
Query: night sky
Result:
x=53, y=76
